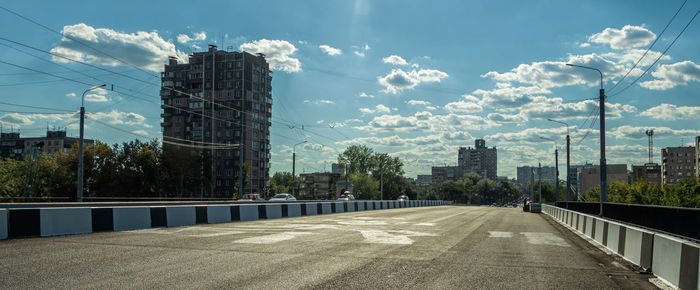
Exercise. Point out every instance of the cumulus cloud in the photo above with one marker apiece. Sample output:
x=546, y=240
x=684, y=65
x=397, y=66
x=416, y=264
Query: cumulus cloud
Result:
x=70, y=95
x=196, y=36
x=19, y=120
x=505, y=97
x=395, y=60
x=669, y=76
x=330, y=50
x=672, y=112
x=378, y=109
x=142, y=49
x=636, y=133
x=140, y=132
x=463, y=107
x=529, y=135
x=399, y=80
x=97, y=96
x=417, y=102
x=394, y=141
x=116, y=117
x=361, y=50
x=318, y=102
x=365, y=95
x=277, y=52
x=425, y=121
x=552, y=74
x=628, y=37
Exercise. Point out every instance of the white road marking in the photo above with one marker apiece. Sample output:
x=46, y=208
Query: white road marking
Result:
x=363, y=223
x=391, y=237
x=544, y=239
x=217, y=234
x=495, y=234
x=271, y=239
x=425, y=224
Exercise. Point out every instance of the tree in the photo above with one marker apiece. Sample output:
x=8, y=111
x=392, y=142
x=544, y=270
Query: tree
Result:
x=358, y=159
x=389, y=170
x=364, y=186
x=281, y=182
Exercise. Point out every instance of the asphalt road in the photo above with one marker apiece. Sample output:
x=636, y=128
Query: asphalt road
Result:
x=429, y=247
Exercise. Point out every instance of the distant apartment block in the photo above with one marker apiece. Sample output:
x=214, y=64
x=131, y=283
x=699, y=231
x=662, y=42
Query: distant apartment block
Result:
x=424, y=178
x=589, y=176
x=338, y=168
x=649, y=173
x=697, y=156
x=222, y=98
x=480, y=159
x=678, y=163
x=524, y=173
x=441, y=174
x=317, y=185
x=13, y=146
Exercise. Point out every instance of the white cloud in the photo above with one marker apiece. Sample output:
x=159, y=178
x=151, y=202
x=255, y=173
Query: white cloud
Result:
x=628, y=37
x=463, y=107
x=70, y=95
x=142, y=49
x=672, y=75
x=432, y=108
x=529, y=135
x=585, y=44
x=505, y=97
x=140, y=132
x=196, y=36
x=399, y=80
x=318, y=102
x=97, y=96
x=277, y=53
x=417, y=102
x=121, y=118
x=360, y=54
x=361, y=50
x=425, y=121
x=552, y=74
x=636, y=133
x=19, y=120
x=378, y=109
x=330, y=50
x=672, y=112
x=365, y=95
x=395, y=60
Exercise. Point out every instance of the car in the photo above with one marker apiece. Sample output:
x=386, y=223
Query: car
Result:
x=402, y=198
x=251, y=197
x=283, y=197
x=346, y=197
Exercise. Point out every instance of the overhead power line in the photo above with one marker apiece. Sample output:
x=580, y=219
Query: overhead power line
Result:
x=660, y=56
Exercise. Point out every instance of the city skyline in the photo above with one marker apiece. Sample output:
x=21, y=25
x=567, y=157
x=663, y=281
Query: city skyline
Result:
x=417, y=84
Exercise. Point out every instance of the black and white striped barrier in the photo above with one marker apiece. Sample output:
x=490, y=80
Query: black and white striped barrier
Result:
x=672, y=259
x=55, y=221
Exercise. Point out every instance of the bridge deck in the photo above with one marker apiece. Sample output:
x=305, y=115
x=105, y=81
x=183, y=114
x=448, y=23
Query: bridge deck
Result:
x=432, y=247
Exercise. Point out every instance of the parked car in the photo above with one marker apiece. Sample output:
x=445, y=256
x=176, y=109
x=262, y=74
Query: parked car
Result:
x=346, y=197
x=402, y=198
x=283, y=197
x=251, y=197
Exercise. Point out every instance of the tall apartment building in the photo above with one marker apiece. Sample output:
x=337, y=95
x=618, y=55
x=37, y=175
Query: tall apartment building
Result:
x=697, y=156
x=481, y=159
x=678, y=163
x=589, y=176
x=15, y=147
x=239, y=86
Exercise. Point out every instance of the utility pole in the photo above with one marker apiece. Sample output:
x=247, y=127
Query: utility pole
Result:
x=603, y=162
x=539, y=176
x=294, y=160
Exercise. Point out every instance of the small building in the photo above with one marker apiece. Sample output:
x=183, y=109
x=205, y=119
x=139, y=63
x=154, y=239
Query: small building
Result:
x=317, y=185
x=589, y=176
x=15, y=147
x=678, y=163
x=649, y=173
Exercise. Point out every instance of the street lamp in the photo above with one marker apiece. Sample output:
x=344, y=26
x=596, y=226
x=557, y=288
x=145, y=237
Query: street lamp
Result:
x=294, y=160
x=603, y=163
x=79, y=195
x=568, y=161
x=556, y=166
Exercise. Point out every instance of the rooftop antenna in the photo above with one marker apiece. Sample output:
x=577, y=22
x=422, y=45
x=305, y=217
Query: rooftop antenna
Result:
x=650, y=133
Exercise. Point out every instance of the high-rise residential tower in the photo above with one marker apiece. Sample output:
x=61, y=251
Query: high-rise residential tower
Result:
x=481, y=159
x=220, y=103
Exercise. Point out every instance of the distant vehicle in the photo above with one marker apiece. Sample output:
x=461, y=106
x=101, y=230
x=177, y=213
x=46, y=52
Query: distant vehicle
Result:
x=402, y=198
x=283, y=197
x=346, y=197
x=251, y=197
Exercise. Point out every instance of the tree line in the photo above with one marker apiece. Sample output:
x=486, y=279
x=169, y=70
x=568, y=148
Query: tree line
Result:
x=132, y=169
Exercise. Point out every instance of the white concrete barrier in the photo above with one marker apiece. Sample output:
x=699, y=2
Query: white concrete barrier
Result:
x=638, y=246
x=3, y=224
x=339, y=207
x=600, y=233
x=65, y=221
x=293, y=210
x=676, y=261
x=361, y=205
x=311, y=208
x=270, y=211
x=248, y=212
x=326, y=208
x=218, y=214
x=178, y=216
x=351, y=206
x=131, y=218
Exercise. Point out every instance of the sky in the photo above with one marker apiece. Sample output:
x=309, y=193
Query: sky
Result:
x=414, y=79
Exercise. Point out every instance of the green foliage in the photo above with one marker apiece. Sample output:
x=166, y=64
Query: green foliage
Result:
x=281, y=182
x=686, y=193
x=473, y=189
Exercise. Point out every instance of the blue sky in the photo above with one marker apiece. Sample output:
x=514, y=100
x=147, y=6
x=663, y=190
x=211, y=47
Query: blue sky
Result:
x=415, y=79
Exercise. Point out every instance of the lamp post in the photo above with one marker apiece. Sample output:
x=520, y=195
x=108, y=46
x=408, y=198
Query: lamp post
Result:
x=568, y=161
x=294, y=160
x=556, y=166
x=79, y=195
x=603, y=163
